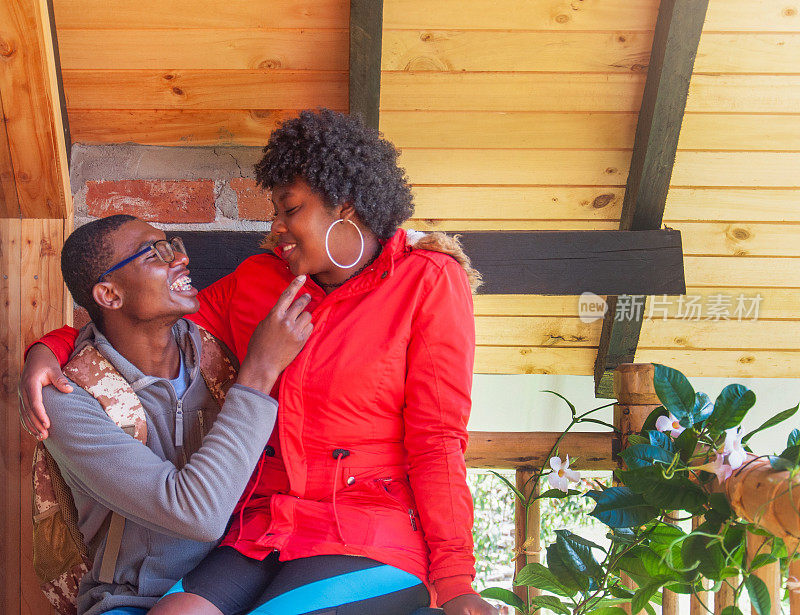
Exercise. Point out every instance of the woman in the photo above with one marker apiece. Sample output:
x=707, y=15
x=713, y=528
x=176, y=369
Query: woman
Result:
x=363, y=483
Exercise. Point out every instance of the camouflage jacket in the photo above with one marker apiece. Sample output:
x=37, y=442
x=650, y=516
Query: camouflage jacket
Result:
x=176, y=499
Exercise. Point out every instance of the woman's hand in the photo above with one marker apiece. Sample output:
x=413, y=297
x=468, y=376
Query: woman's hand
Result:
x=468, y=604
x=277, y=339
x=41, y=368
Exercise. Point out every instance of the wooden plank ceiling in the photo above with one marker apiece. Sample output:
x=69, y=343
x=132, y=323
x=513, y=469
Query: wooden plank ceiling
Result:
x=513, y=119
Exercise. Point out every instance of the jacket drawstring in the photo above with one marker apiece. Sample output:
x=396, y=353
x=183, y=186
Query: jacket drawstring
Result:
x=338, y=455
x=249, y=495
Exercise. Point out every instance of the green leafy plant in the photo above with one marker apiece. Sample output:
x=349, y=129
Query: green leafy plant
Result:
x=687, y=446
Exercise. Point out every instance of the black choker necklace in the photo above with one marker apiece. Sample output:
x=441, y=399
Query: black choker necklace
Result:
x=352, y=275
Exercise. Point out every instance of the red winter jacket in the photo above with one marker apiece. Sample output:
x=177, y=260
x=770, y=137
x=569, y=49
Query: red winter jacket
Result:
x=368, y=455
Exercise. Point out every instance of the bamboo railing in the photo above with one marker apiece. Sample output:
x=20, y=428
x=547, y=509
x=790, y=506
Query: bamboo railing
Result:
x=756, y=492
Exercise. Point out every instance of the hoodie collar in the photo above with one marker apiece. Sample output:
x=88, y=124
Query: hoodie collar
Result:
x=185, y=333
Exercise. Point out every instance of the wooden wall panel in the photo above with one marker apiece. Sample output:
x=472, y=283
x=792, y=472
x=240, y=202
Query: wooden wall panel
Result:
x=190, y=89
x=10, y=351
x=176, y=126
x=204, y=49
x=188, y=14
x=240, y=66
x=29, y=103
x=523, y=119
x=9, y=203
x=31, y=303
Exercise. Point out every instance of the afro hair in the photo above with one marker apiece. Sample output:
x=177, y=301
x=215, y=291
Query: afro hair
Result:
x=86, y=254
x=344, y=161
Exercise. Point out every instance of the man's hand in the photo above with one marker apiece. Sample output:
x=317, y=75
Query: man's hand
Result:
x=41, y=368
x=277, y=339
x=468, y=604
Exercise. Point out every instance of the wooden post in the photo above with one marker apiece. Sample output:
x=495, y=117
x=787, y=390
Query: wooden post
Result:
x=527, y=526
x=366, y=35
x=723, y=599
x=794, y=594
x=636, y=399
x=770, y=574
x=699, y=602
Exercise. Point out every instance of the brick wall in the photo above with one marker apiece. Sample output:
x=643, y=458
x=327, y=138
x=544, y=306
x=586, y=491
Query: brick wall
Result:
x=197, y=188
x=173, y=188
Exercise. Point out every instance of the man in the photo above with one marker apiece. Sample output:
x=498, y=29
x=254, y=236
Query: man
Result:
x=177, y=492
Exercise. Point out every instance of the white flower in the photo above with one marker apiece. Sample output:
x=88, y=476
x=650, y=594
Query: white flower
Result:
x=720, y=468
x=561, y=475
x=734, y=449
x=670, y=424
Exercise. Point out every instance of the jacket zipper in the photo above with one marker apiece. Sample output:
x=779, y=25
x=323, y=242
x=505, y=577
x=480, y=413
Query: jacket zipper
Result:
x=411, y=514
x=179, y=424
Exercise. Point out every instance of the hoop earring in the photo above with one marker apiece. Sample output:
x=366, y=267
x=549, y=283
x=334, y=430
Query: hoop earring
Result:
x=328, y=250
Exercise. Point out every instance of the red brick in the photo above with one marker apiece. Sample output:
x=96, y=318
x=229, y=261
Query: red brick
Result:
x=254, y=203
x=153, y=200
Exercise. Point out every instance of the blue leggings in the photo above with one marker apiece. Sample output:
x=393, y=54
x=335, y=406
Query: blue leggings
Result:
x=323, y=584
x=127, y=610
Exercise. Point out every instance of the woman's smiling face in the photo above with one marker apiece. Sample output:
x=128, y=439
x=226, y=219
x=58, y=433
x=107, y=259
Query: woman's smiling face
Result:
x=302, y=218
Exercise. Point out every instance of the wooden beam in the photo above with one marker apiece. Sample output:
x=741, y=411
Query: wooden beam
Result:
x=366, y=33
x=677, y=35
x=522, y=450
x=529, y=262
x=63, y=121
x=28, y=85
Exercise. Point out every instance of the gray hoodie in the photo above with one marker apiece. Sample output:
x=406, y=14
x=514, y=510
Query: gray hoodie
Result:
x=176, y=500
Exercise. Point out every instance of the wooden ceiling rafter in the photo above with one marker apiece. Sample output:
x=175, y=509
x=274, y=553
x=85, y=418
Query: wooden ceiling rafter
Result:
x=366, y=36
x=675, y=42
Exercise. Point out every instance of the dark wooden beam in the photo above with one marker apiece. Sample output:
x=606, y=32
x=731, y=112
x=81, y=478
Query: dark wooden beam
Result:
x=62, y=99
x=366, y=33
x=677, y=34
x=529, y=262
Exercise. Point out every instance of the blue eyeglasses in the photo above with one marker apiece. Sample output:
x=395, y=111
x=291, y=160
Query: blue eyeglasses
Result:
x=163, y=248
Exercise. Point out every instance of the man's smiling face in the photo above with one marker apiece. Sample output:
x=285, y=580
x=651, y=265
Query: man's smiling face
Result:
x=150, y=289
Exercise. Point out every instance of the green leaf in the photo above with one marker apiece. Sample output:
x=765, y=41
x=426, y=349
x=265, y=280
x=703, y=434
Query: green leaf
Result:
x=637, y=439
x=686, y=443
x=550, y=602
x=510, y=485
x=608, y=610
x=643, y=595
x=759, y=594
x=644, y=564
x=731, y=407
x=619, y=591
x=661, y=440
x=650, y=422
x=674, y=391
x=772, y=421
x=537, y=575
x=506, y=596
x=781, y=464
x=731, y=610
x=620, y=507
x=794, y=438
x=702, y=408
x=566, y=571
x=644, y=455
x=577, y=555
x=557, y=493
x=677, y=493
x=705, y=553
x=762, y=559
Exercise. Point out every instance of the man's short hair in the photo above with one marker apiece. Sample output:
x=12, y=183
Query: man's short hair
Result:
x=86, y=254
